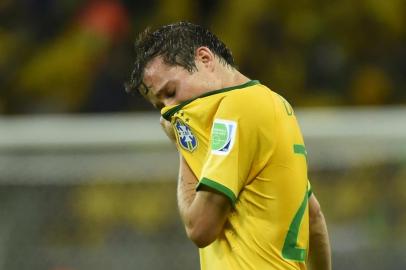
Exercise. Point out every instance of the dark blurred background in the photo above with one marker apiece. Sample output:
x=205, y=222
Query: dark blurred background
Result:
x=73, y=56
x=88, y=182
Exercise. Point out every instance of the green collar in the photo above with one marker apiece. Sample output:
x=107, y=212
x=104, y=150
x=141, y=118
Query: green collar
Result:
x=168, y=114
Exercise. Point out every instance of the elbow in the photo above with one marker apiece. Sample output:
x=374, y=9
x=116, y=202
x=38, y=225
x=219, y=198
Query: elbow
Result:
x=317, y=223
x=315, y=212
x=315, y=215
x=201, y=237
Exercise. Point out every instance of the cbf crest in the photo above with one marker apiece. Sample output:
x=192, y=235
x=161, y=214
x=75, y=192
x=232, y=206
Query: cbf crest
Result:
x=185, y=136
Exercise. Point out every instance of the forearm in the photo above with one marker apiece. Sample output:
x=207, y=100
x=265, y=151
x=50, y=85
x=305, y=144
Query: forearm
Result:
x=203, y=213
x=320, y=251
x=186, y=190
x=187, y=181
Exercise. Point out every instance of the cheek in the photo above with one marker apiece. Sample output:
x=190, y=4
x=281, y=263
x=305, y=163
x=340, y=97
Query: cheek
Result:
x=191, y=86
x=184, y=91
x=183, y=95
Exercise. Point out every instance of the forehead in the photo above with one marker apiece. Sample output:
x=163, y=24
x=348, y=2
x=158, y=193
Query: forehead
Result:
x=156, y=72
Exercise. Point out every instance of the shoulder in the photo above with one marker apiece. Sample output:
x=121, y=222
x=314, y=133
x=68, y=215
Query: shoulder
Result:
x=253, y=103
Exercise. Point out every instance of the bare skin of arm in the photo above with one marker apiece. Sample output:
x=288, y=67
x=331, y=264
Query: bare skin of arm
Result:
x=319, y=247
x=203, y=213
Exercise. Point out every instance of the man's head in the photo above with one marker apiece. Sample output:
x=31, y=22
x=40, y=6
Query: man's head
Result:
x=176, y=62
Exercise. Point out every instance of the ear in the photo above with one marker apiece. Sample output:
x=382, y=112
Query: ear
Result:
x=205, y=56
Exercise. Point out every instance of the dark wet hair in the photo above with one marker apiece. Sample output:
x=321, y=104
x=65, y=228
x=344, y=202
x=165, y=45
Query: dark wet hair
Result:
x=176, y=44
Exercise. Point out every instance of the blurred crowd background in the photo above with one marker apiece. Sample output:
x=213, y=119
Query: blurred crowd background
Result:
x=73, y=57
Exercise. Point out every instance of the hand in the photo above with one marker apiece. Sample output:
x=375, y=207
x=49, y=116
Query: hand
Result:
x=168, y=129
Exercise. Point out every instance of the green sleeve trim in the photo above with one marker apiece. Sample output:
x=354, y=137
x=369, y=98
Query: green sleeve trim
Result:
x=168, y=114
x=309, y=189
x=219, y=187
x=309, y=193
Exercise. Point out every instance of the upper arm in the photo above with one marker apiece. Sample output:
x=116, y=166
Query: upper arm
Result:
x=226, y=169
x=232, y=148
x=314, y=208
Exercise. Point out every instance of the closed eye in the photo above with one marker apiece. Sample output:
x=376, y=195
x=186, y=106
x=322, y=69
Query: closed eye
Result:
x=170, y=93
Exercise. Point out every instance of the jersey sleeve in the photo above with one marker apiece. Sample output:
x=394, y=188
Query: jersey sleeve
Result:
x=232, y=149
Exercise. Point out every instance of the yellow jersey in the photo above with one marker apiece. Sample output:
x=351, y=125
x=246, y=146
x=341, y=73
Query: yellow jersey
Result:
x=245, y=142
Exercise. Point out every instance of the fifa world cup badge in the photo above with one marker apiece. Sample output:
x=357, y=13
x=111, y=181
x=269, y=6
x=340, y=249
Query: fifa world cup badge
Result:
x=222, y=136
x=185, y=136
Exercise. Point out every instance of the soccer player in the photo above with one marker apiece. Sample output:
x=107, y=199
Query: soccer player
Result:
x=243, y=193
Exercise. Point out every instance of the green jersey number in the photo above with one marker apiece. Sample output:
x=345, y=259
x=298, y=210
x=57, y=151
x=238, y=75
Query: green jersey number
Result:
x=290, y=250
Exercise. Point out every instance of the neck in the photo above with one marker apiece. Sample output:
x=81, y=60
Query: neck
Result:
x=232, y=77
x=220, y=77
